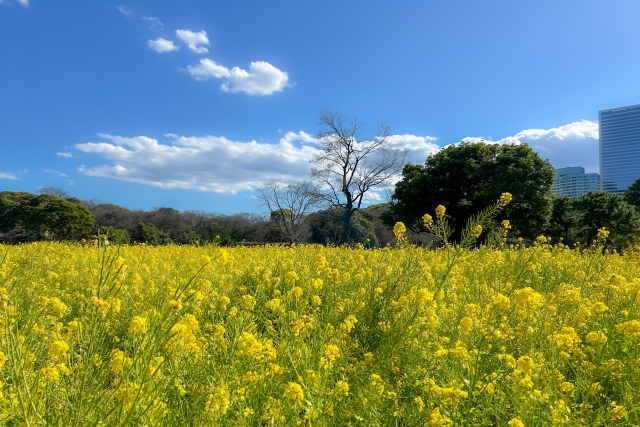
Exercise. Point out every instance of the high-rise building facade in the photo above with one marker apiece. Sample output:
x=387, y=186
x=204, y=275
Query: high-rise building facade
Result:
x=574, y=181
x=619, y=147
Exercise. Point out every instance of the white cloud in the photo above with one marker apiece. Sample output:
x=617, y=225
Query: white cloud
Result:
x=208, y=68
x=208, y=163
x=64, y=154
x=24, y=3
x=55, y=172
x=301, y=136
x=420, y=147
x=154, y=22
x=162, y=45
x=7, y=175
x=261, y=79
x=574, y=144
x=194, y=40
x=214, y=163
x=125, y=11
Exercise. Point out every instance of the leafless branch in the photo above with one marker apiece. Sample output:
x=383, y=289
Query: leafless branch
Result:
x=289, y=203
x=351, y=165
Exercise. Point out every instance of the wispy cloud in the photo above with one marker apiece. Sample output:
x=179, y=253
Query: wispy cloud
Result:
x=194, y=40
x=64, y=154
x=7, y=175
x=162, y=45
x=154, y=23
x=55, y=172
x=128, y=13
x=261, y=79
x=24, y=3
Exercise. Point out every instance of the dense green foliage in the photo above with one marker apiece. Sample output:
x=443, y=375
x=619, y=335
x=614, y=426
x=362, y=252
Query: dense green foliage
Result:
x=578, y=219
x=27, y=217
x=147, y=233
x=466, y=177
x=329, y=227
x=632, y=196
x=118, y=236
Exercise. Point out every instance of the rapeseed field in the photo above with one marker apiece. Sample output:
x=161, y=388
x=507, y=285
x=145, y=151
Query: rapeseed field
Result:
x=319, y=336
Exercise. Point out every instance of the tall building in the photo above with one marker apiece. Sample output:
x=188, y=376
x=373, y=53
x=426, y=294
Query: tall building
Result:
x=619, y=147
x=573, y=182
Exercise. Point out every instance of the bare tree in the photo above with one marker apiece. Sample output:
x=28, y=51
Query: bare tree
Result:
x=350, y=165
x=197, y=218
x=289, y=203
x=54, y=191
x=91, y=204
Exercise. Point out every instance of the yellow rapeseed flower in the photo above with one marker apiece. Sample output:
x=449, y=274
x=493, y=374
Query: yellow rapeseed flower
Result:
x=342, y=387
x=57, y=348
x=218, y=402
x=137, y=325
x=466, y=324
x=294, y=392
x=515, y=422
x=505, y=199
x=427, y=220
x=175, y=305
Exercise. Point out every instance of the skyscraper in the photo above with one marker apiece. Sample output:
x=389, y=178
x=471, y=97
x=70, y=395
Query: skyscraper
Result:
x=619, y=147
x=573, y=182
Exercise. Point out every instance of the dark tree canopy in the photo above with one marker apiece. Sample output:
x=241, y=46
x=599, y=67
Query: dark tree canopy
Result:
x=116, y=236
x=28, y=217
x=599, y=209
x=579, y=219
x=632, y=196
x=328, y=227
x=147, y=233
x=107, y=214
x=467, y=177
x=563, y=220
x=170, y=221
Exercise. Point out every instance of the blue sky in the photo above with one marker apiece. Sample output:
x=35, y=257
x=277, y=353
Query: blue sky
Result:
x=194, y=104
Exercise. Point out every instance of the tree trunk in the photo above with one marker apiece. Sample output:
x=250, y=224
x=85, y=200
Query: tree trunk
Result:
x=348, y=213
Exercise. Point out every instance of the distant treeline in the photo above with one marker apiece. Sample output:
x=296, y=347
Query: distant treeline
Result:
x=463, y=178
x=54, y=215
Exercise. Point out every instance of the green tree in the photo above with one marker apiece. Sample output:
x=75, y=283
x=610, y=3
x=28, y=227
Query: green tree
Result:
x=15, y=208
x=37, y=215
x=563, y=220
x=190, y=238
x=632, y=196
x=63, y=219
x=118, y=236
x=147, y=233
x=599, y=209
x=466, y=177
x=328, y=227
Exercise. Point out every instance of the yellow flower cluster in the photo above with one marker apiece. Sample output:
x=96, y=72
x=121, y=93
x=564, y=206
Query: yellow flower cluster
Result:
x=309, y=335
